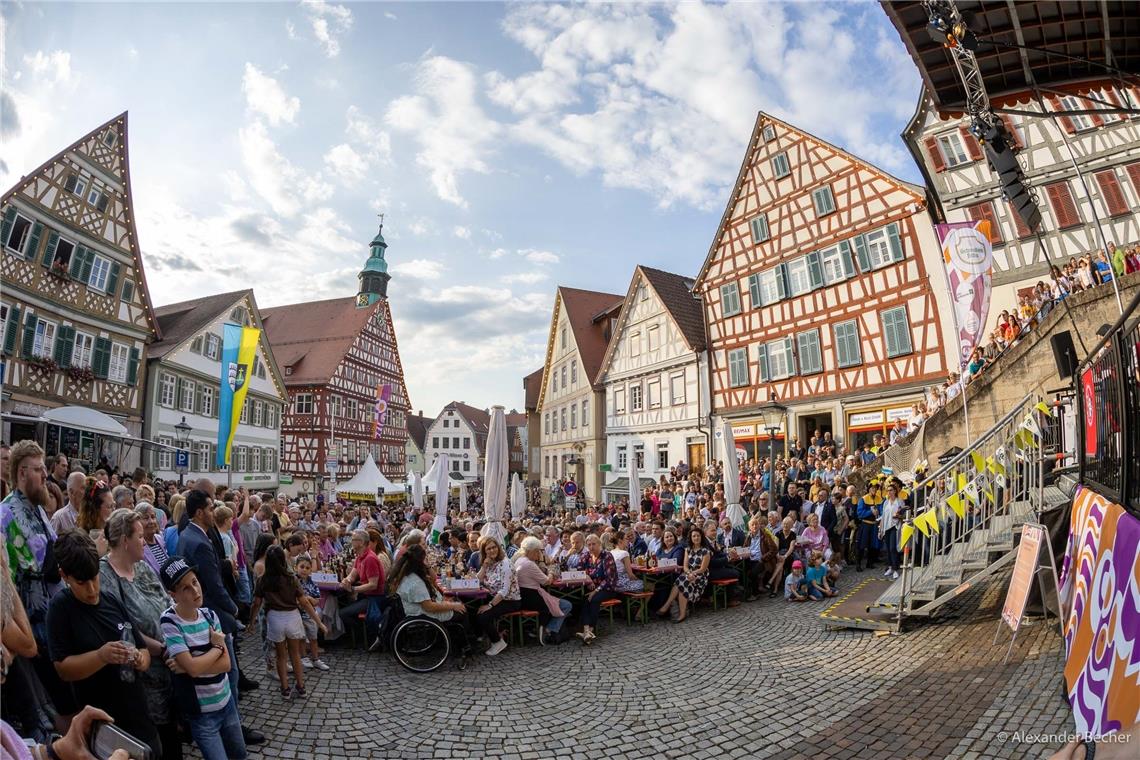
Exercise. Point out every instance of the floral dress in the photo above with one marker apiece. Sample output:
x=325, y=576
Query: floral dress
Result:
x=694, y=589
x=27, y=537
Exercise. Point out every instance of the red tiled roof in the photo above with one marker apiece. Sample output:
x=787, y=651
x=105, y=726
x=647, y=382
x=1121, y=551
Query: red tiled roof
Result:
x=676, y=293
x=584, y=308
x=515, y=419
x=312, y=338
x=417, y=428
x=532, y=387
x=185, y=319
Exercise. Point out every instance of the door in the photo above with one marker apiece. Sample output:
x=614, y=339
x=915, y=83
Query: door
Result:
x=696, y=457
x=809, y=423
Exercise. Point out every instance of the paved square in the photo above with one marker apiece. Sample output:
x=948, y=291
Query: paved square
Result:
x=763, y=680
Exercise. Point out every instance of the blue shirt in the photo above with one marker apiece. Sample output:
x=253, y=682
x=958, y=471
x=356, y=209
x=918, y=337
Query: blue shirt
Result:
x=754, y=545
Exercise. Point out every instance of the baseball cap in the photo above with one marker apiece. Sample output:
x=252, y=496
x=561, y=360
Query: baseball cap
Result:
x=797, y=565
x=172, y=571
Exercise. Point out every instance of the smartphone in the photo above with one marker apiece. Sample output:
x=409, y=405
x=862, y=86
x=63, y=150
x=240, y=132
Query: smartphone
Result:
x=106, y=738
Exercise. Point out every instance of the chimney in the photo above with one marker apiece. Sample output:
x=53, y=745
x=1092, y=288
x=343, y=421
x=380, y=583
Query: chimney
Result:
x=420, y=413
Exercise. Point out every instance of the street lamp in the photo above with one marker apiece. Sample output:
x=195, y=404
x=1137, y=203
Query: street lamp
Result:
x=182, y=435
x=774, y=414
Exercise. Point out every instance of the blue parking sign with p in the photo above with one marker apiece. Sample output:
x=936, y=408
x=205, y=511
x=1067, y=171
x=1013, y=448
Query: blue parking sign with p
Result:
x=181, y=458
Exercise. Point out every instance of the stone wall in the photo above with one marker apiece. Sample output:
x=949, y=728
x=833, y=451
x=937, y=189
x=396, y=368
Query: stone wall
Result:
x=1029, y=366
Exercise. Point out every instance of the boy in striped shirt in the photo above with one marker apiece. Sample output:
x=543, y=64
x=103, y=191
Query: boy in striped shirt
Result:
x=196, y=652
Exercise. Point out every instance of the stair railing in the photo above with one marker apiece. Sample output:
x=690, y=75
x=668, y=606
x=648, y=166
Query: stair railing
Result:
x=926, y=559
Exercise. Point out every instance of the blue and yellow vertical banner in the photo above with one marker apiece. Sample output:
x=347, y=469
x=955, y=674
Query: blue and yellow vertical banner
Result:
x=239, y=347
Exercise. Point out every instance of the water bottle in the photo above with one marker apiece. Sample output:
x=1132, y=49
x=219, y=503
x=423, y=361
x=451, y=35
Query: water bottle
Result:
x=126, y=670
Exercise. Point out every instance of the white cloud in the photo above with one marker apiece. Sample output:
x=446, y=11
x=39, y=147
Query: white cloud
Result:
x=445, y=119
x=132, y=53
x=52, y=68
x=420, y=227
x=345, y=163
x=389, y=15
x=525, y=278
x=498, y=253
x=463, y=233
x=265, y=96
x=420, y=269
x=539, y=257
x=290, y=29
x=285, y=187
x=329, y=23
x=375, y=142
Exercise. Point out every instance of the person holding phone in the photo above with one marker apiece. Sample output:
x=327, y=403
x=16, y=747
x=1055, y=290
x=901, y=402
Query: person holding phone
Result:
x=94, y=646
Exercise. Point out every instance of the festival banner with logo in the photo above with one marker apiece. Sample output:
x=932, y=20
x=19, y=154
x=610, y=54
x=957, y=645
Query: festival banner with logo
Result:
x=380, y=411
x=968, y=254
x=239, y=347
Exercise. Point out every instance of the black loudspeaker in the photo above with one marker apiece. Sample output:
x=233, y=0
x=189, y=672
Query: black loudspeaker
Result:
x=1064, y=353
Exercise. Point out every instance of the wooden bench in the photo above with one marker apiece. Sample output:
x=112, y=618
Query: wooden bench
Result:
x=608, y=607
x=516, y=623
x=720, y=589
x=637, y=606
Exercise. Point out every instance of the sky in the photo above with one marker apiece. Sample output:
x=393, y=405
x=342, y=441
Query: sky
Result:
x=512, y=148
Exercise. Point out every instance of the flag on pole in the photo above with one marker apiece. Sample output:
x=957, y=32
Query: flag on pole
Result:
x=380, y=411
x=967, y=252
x=239, y=347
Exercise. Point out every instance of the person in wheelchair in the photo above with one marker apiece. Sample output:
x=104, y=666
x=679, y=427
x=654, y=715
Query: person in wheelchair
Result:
x=420, y=596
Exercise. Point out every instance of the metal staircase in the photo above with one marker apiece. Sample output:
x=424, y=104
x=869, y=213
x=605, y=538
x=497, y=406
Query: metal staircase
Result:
x=1008, y=491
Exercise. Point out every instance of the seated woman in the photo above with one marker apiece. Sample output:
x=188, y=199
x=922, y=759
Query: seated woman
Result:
x=415, y=584
x=690, y=584
x=670, y=547
x=551, y=610
x=602, y=569
x=86, y=642
x=626, y=581
x=497, y=576
x=785, y=555
x=815, y=538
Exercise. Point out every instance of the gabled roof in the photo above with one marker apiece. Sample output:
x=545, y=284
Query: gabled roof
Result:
x=586, y=311
x=479, y=420
x=182, y=321
x=122, y=173
x=313, y=337
x=515, y=419
x=532, y=387
x=676, y=295
x=418, y=425
x=763, y=118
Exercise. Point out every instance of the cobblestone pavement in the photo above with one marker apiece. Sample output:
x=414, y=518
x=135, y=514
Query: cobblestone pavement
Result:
x=763, y=680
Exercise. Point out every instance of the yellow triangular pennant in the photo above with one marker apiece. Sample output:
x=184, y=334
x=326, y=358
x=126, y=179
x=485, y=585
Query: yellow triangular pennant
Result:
x=1044, y=408
x=920, y=523
x=962, y=481
x=905, y=533
x=979, y=462
x=955, y=503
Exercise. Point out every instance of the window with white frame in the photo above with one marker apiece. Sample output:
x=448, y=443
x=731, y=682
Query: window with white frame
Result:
x=563, y=378
x=878, y=248
x=896, y=331
x=3, y=319
x=760, y=231
x=619, y=400
x=622, y=459
x=351, y=409
x=823, y=201
x=44, y=340
x=545, y=424
x=255, y=459
x=635, y=343
x=772, y=287
x=836, y=263
x=677, y=388
x=467, y=465
x=76, y=185
x=780, y=165
x=847, y=350
x=165, y=456
x=243, y=418
x=167, y=387
x=19, y=234
x=653, y=393
x=186, y=403
x=303, y=403
x=258, y=413
x=82, y=349
x=952, y=149
x=635, y=404
x=455, y=442
x=639, y=455
x=585, y=412
x=271, y=416
x=573, y=373
x=573, y=416
x=662, y=456
x=730, y=299
x=335, y=407
x=207, y=409
x=563, y=337
x=562, y=420
x=769, y=133
x=799, y=278
x=653, y=337
x=811, y=357
x=270, y=460
x=1071, y=103
x=213, y=346
x=781, y=361
x=205, y=461
x=241, y=460
x=100, y=272
x=738, y=367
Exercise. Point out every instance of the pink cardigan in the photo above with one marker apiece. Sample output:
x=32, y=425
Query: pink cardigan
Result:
x=530, y=576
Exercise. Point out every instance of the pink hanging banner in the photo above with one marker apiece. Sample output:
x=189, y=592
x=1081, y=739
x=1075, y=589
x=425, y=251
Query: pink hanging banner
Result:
x=969, y=257
x=380, y=413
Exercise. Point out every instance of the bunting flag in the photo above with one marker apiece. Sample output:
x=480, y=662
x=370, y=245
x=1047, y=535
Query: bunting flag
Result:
x=920, y=523
x=905, y=532
x=955, y=503
x=1000, y=457
x=979, y=462
x=1044, y=408
x=239, y=347
x=380, y=412
x=962, y=481
x=972, y=493
x=1031, y=425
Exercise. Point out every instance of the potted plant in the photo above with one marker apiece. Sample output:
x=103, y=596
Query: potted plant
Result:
x=43, y=363
x=59, y=269
x=80, y=374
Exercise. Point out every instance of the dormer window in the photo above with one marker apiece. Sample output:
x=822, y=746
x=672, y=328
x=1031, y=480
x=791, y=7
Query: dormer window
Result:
x=110, y=137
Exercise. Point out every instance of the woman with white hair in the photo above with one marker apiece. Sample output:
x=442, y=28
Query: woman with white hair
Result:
x=551, y=610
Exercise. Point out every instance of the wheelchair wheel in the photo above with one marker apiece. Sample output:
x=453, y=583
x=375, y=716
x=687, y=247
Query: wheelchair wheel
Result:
x=420, y=644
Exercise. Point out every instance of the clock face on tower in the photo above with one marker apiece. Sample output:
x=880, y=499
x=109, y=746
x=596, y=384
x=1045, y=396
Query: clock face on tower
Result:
x=362, y=299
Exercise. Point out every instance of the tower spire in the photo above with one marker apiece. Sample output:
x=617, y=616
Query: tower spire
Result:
x=374, y=277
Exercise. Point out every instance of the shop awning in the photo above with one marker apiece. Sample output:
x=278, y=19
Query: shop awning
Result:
x=622, y=484
x=82, y=418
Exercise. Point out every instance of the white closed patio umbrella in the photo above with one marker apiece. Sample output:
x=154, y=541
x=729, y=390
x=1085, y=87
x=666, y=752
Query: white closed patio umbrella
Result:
x=518, y=498
x=462, y=495
x=732, y=479
x=418, y=491
x=495, y=476
x=442, y=486
x=634, y=483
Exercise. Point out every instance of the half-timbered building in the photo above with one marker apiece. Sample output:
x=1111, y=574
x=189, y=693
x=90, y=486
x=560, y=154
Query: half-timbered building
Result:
x=1084, y=168
x=818, y=287
x=655, y=376
x=571, y=401
x=75, y=313
x=183, y=383
x=337, y=357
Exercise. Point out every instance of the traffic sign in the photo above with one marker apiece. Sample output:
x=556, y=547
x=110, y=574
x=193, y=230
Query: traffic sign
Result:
x=332, y=464
x=570, y=489
x=181, y=460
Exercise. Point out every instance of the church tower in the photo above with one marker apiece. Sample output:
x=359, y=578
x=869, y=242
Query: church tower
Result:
x=374, y=277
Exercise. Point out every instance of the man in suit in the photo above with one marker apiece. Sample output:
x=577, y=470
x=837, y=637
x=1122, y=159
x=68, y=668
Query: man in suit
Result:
x=729, y=536
x=200, y=545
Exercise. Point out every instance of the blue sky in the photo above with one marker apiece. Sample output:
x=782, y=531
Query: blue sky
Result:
x=513, y=148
